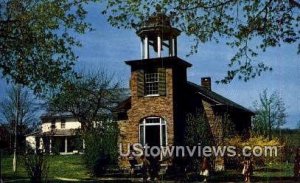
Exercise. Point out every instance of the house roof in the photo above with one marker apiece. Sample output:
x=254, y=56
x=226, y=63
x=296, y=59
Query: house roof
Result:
x=55, y=132
x=217, y=99
x=35, y=133
x=60, y=132
x=56, y=115
x=124, y=105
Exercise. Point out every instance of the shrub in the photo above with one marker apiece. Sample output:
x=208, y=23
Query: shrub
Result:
x=197, y=130
x=239, y=143
x=101, y=150
x=36, y=166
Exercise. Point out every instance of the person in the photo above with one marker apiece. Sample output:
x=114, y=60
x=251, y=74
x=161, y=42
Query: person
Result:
x=145, y=167
x=297, y=165
x=204, y=169
x=154, y=167
x=132, y=160
x=247, y=169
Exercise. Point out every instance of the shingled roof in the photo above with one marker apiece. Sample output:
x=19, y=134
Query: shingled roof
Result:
x=219, y=100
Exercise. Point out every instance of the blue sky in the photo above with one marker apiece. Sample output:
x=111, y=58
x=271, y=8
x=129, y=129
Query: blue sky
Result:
x=108, y=48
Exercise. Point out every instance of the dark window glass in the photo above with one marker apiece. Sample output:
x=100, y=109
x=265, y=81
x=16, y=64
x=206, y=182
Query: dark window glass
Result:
x=63, y=123
x=53, y=124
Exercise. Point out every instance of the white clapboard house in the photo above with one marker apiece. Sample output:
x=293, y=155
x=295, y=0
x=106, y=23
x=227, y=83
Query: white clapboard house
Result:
x=58, y=134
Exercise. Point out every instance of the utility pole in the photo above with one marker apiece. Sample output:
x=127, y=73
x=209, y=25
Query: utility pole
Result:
x=15, y=130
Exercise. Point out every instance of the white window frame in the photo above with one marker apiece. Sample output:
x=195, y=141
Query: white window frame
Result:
x=161, y=123
x=146, y=74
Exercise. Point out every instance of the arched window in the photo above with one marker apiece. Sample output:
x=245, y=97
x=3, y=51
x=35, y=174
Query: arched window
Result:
x=153, y=131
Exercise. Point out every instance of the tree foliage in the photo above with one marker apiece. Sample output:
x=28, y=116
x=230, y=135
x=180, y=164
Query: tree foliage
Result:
x=270, y=113
x=101, y=148
x=90, y=97
x=249, y=27
x=229, y=128
x=37, y=39
x=197, y=130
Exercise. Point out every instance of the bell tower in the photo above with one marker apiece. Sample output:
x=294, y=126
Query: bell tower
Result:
x=157, y=84
x=158, y=34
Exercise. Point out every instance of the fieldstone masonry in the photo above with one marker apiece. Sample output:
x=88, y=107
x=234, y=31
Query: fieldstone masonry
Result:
x=176, y=97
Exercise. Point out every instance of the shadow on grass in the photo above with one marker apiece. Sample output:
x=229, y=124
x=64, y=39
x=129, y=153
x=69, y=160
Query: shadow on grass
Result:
x=231, y=177
x=271, y=179
x=15, y=178
x=265, y=169
x=239, y=178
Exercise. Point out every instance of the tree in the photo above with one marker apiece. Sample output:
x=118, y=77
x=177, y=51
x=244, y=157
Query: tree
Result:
x=90, y=98
x=197, y=130
x=270, y=113
x=247, y=26
x=36, y=166
x=37, y=39
x=101, y=147
x=19, y=100
x=19, y=111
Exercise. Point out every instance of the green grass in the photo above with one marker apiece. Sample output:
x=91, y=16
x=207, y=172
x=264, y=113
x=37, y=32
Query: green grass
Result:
x=268, y=173
x=63, y=166
x=275, y=170
x=72, y=167
x=7, y=170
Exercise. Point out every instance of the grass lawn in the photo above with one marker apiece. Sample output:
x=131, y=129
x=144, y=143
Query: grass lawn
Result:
x=70, y=167
x=272, y=172
x=63, y=166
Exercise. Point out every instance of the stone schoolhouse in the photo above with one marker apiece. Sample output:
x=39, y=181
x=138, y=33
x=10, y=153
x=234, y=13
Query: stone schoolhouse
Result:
x=161, y=96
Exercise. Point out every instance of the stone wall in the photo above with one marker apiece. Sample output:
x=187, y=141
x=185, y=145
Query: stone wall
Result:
x=142, y=107
x=215, y=122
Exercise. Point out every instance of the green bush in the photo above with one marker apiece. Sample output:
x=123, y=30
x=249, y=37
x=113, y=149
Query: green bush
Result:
x=101, y=150
x=36, y=166
x=197, y=130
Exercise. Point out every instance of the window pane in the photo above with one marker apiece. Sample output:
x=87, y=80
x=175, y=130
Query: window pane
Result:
x=63, y=123
x=53, y=124
x=151, y=83
x=164, y=138
x=152, y=120
x=142, y=135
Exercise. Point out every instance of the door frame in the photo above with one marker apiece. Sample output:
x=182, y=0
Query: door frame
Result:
x=142, y=128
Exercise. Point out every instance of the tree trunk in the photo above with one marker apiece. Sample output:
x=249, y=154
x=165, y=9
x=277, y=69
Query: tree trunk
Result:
x=270, y=125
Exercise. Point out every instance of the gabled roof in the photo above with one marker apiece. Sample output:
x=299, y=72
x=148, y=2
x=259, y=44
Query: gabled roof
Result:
x=57, y=115
x=219, y=100
x=124, y=105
